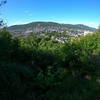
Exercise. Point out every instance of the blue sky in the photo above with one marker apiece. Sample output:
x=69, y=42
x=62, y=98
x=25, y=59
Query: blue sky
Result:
x=62, y=11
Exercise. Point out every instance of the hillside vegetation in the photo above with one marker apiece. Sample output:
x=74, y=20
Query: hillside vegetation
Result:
x=44, y=27
x=37, y=68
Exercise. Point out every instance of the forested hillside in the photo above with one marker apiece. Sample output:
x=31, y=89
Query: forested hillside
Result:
x=47, y=27
x=37, y=68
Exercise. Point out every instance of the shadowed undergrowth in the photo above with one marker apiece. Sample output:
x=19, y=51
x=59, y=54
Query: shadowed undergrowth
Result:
x=36, y=68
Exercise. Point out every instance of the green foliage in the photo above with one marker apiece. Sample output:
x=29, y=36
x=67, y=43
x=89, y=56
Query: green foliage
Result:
x=37, y=68
x=98, y=30
x=79, y=55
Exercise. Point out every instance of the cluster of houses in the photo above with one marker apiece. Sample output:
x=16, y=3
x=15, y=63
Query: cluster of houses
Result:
x=60, y=39
x=78, y=33
x=72, y=36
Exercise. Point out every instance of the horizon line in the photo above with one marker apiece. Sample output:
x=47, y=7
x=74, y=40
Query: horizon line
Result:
x=23, y=23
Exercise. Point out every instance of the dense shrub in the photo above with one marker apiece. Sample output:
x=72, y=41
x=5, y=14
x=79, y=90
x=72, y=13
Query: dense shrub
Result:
x=37, y=68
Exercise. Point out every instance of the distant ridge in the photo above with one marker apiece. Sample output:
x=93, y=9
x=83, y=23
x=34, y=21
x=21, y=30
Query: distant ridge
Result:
x=42, y=27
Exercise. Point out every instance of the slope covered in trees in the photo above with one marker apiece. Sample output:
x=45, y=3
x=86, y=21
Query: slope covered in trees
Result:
x=37, y=68
x=41, y=27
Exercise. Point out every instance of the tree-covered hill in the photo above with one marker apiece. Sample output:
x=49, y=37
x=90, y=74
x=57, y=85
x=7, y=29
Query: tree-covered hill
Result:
x=41, y=27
